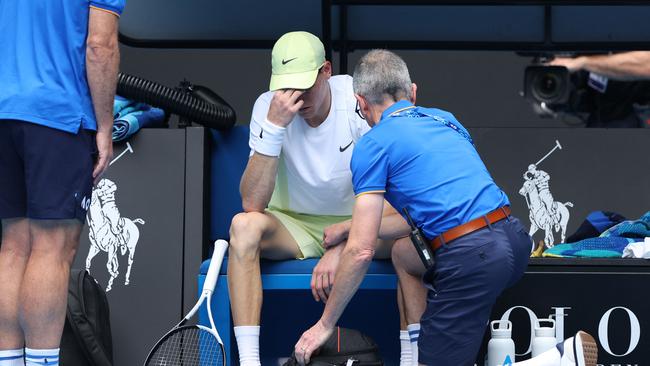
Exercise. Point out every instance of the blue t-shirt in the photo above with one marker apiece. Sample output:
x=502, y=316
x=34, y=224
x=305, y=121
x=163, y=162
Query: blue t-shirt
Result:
x=424, y=160
x=43, y=67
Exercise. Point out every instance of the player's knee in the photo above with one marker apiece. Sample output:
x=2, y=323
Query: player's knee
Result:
x=55, y=239
x=399, y=252
x=16, y=250
x=246, y=231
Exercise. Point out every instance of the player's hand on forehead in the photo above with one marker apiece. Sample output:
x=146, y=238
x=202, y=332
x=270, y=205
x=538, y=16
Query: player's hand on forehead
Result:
x=284, y=105
x=290, y=92
x=289, y=96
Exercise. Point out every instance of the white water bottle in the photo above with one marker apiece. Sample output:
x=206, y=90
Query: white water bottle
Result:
x=501, y=348
x=544, y=337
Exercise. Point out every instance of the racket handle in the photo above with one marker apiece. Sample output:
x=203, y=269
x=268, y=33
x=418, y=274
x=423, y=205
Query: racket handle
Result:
x=220, y=247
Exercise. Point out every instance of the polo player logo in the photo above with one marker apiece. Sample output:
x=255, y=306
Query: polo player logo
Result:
x=544, y=212
x=108, y=231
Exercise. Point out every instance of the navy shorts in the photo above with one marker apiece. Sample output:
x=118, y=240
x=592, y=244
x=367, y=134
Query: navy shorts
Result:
x=45, y=173
x=470, y=273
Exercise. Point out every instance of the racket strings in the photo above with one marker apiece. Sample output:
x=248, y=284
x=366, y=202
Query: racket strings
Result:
x=188, y=347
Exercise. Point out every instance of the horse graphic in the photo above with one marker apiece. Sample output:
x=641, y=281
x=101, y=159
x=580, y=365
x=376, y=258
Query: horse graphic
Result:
x=109, y=232
x=544, y=212
x=541, y=218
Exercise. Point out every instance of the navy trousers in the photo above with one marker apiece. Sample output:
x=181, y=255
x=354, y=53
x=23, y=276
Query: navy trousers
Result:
x=470, y=273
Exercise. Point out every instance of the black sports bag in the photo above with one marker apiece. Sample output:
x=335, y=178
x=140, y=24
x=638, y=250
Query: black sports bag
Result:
x=345, y=347
x=87, y=339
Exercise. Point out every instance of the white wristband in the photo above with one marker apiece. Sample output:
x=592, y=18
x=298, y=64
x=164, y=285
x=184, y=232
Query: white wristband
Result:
x=269, y=141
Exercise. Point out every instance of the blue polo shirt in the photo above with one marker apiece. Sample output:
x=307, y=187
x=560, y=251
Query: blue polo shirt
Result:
x=424, y=160
x=43, y=67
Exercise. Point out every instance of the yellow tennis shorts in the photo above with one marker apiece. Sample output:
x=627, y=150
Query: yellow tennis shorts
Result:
x=307, y=230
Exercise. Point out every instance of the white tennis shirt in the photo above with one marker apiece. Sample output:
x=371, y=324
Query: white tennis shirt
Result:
x=314, y=169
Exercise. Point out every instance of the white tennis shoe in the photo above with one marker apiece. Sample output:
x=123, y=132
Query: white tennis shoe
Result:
x=580, y=350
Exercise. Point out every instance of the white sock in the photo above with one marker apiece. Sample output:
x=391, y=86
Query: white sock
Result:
x=12, y=357
x=414, y=333
x=405, y=357
x=41, y=357
x=248, y=344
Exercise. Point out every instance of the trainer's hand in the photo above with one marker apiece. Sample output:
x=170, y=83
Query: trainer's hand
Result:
x=322, y=278
x=104, y=141
x=311, y=341
x=335, y=234
x=573, y=64
x=284, y=106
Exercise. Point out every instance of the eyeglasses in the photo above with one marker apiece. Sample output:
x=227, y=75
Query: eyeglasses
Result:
x=357, y=110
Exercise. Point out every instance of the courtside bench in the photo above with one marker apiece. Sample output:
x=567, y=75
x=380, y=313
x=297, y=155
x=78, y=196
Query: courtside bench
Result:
x=288, y=308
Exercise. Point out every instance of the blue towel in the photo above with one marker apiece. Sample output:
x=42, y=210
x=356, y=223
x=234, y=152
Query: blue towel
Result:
x=610, y=244
x=119, y=104
x=594, y=225
x=129, y=117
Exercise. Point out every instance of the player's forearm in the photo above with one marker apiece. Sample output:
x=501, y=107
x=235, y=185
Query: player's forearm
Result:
x=622, y=66
x=258, y=181
x=393, y=226
x=102, y=65
x=354, y=264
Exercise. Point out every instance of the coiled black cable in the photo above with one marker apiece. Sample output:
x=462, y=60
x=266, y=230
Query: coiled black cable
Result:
x=201, y=105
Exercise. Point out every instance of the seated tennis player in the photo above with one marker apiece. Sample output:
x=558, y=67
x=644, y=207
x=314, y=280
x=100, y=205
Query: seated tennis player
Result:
x=297, y=187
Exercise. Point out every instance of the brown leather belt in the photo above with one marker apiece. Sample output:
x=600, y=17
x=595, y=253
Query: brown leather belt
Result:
x=471, y=226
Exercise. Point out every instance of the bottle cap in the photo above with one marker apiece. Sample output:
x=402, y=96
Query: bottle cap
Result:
x=503, y=331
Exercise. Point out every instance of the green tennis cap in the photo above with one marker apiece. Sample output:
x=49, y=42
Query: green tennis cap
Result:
x=295, y=60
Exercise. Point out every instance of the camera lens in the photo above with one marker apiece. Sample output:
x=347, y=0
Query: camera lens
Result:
x=546, y=86
x=549, y=85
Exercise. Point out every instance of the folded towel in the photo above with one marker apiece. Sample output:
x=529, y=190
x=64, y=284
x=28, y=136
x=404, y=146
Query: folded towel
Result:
x=638, y=250
x=594, y=225
x=130, y=117
x=610, y=244
x=590, y=248
x=119, y=104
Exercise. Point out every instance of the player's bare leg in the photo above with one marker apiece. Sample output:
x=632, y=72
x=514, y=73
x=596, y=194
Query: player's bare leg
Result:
x=14, y=254
x=43, y=297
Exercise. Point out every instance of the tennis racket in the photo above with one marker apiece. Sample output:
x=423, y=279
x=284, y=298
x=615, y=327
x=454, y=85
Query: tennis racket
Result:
x=194, y=345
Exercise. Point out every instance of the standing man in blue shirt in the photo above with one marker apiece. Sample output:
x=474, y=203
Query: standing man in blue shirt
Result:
x=58, y=75
x=423, y=160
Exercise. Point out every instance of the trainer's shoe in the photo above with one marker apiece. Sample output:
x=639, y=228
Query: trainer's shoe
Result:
x=579, y=350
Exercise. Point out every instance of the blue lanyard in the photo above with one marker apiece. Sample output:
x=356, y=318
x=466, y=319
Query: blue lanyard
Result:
x=415, y=112
x=399, y=112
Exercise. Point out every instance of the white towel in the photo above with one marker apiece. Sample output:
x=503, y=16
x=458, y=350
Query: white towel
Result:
x=638, y=250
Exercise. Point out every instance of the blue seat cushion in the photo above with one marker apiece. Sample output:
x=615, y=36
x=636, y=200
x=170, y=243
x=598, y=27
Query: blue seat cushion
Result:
x=296, y=266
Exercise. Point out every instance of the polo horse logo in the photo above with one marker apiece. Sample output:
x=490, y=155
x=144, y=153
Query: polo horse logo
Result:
x=109, y=232
x=541, y=218
x=544, y=212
